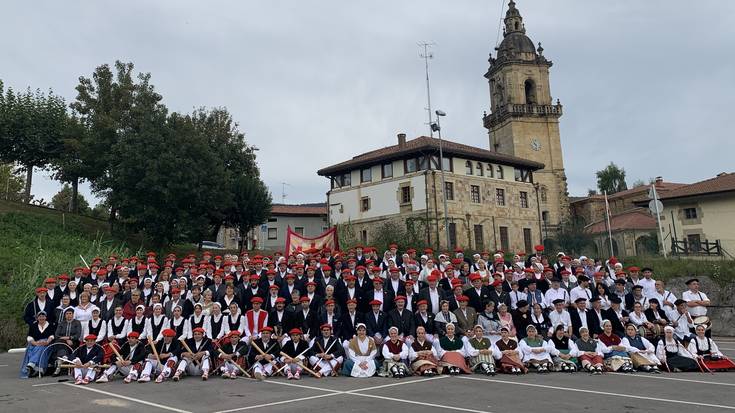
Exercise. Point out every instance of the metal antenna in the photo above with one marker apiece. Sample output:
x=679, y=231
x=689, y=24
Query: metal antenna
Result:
x=283, y=191
x=426, y=55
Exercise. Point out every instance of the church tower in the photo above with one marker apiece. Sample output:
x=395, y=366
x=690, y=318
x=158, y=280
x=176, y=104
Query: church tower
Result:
x=524, y=120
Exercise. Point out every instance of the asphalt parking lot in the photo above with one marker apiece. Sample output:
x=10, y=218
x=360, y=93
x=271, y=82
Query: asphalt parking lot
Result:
x=579, y=392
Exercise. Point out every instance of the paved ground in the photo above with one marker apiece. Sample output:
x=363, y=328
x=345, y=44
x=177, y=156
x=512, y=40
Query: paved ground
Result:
x=555, y=392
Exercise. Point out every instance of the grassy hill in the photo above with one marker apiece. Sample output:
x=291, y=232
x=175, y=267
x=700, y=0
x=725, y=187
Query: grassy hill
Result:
x=36, y=243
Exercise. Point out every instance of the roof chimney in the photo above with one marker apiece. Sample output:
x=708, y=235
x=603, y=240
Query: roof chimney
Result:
x=659, y=180
x=401, y=140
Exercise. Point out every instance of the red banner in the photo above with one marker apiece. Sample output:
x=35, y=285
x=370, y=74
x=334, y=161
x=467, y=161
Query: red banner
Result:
x=296, y=243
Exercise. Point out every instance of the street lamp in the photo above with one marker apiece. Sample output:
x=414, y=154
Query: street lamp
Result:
x=436, y=127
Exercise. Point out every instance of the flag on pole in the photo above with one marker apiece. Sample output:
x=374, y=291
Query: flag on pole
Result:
x=296, y=242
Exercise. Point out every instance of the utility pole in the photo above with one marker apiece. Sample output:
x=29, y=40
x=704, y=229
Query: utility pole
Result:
x=426, y=55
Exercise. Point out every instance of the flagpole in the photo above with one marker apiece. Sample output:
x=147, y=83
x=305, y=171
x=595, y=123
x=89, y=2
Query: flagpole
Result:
x=607, y=224
x=658, y=218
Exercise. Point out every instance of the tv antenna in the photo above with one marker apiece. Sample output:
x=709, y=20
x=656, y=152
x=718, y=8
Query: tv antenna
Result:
x=283, y=191
x=427, y=55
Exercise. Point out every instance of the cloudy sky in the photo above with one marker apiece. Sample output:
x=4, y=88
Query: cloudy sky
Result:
x=646, y=84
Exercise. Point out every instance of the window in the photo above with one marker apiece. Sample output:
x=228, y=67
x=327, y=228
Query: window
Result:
x=423, y=163
x=480, y=169
x=363, y=236
x=524, y=199
x=387, y=169
x=545, y=216
x=690, y=213
x=523, y=175
x=504, y=241
x=479, y=240
x=490, y=173
x=406, y=195
x=341, y=180
x=499, y=171
x=543, y=193
x=468, y=166
x=447, y=164
x=272, y=233
x=299, y=230
x=272, y=219
x=500, y=196
x=527, y=240
x=475, y=193
x=365, y=204
x=366, y=175
x=530, y=88
x=452, y=234
x=449, y=190
x=409, y=165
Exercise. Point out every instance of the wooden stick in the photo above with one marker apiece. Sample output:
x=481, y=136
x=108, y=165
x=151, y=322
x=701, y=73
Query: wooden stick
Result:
x=284, y=365
x=94, y=366
x=262, y=353
x=114, y=350
x=310, y=371
x=186, y=346
x=153, y=347
x=239, y=367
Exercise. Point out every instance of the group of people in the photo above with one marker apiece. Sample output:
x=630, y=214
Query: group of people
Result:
x=358, y=314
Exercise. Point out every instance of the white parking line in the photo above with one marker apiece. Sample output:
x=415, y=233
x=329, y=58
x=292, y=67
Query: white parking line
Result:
x=239, y=409
x=439, y=406
x=625, y=396
x=160, y=406
x=673, y=378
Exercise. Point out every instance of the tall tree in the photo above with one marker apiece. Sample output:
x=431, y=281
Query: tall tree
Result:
x=611, y=179
x=33, y=128
x=109, y=103
x=252, y=204
x=63, y=201
x=72, y=166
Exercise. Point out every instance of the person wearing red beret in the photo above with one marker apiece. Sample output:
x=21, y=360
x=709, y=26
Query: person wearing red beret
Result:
x=375, y=322
x=279, y=319
x=85, y=358
x=129, y=364
x=294, y=353
x=38, y=304
x=169, y=351
x=232, y=353
x=263, y=362
x=466, y=316
x=255, y=318
x=327, y=353
x=402, y=319
x=195, y=356
x=306, y=318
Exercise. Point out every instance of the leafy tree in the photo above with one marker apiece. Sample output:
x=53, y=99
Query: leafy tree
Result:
x=100, y=211
x=63, y=201
x=11, y=184
x=72, y=166
x=572, y=237
x=611, y=179
x=33, y=125
x=591, y=192
x=637, y=183
x=252, y=203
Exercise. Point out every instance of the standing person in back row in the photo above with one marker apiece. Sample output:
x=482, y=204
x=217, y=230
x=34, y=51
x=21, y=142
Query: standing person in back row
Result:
x=697, y=302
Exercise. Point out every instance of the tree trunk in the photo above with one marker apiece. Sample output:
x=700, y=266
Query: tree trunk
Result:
x=113, y=212
x=29, y=181
x=74, y=205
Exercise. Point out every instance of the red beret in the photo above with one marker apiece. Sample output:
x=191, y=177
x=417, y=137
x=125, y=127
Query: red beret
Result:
x=290, y=275
x=349, y=277
x=419, y=302
x=475, y=276
x=50, y=280
x=352, y=301
x=634, y=269
x=311, y=283
x=456, y=282
x=539, y=248
x=256, y=300
x=198, y=330
x=378, y=280
x=254, y=277
x=399, y=298
x=270, y=272
x=329, y=302
x=528, y=270
x=325, y=326
x=133, y=334
x=273, y=287
x=497, y=283
x=90, y=337
x=266, y=328
x=304, y=299
x=41, y=290
x=432, y=278
x=280, y=300
x=295, y=331
x=175, y=291
x=326, y=268
x=463, y=298
x=376, y=302
x=64, y=277
x=564, y=272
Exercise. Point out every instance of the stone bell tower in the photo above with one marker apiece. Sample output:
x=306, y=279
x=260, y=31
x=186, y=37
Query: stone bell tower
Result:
x=523, y=119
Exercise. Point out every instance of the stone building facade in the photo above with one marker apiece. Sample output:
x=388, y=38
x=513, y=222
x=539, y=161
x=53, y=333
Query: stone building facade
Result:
x=491, y=197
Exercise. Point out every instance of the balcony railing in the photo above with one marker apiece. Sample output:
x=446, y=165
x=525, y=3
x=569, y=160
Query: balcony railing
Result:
x=513, y=109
